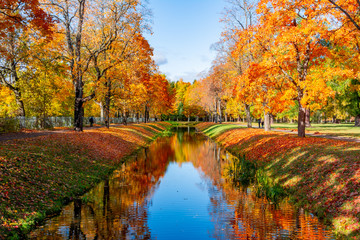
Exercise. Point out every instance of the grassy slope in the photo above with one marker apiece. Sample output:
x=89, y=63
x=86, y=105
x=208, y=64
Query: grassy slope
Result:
x=322, y=175
x=39, y=175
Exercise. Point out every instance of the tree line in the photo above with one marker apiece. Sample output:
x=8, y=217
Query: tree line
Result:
x=282, y=58
x=61, y=57
x=287, y=59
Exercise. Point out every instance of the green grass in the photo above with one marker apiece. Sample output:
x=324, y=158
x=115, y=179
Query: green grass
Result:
x=341, y=130
x=216, y=130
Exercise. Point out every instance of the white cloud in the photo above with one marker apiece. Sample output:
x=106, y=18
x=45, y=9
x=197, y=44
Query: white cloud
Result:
x=160, y=59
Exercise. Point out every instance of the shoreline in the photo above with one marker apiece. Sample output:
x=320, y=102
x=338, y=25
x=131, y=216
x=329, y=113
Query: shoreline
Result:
x=40, y=175
x=315, y=171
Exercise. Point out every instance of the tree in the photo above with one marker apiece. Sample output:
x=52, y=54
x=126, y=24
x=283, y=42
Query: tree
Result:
x=20, y=23
x=293, y=47
x=23, y=14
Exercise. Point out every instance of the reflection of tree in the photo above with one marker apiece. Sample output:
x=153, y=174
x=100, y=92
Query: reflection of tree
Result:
x=251, y=217
x=118, y=208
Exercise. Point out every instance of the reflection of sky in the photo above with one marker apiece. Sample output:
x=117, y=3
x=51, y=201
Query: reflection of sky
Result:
x=180, y=205
x=64, y=231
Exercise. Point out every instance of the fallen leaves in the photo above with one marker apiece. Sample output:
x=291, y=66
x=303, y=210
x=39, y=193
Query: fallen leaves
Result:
x=38, y=174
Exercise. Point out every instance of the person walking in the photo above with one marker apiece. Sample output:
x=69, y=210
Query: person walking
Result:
x=91, y=120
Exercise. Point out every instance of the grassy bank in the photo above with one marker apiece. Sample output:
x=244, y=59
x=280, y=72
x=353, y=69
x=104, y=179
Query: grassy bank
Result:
x=39, y=175
x=322, y=175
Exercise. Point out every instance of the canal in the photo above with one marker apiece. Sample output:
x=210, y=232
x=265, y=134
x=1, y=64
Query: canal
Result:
x=177, y=189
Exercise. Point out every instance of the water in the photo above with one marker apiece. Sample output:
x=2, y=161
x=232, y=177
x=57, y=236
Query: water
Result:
x=176, y=189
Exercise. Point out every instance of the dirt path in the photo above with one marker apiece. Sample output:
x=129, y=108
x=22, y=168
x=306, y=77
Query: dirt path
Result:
x=38, y=133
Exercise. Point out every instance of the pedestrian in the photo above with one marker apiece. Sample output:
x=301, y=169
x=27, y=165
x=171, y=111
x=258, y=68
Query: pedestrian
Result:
x=91, y=120
x=259, y=121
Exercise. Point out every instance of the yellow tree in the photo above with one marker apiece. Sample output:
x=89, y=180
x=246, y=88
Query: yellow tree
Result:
x=347, y=42
x=110, y=37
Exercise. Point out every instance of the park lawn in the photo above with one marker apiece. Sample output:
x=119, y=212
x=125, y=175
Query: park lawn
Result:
x=39, y=175
x=321, y=175
x=333, y=129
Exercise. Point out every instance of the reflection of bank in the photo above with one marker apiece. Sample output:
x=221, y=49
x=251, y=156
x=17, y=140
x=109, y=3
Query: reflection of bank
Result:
x=119, y=208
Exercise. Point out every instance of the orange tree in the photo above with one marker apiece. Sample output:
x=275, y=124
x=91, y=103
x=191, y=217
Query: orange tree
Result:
x=292, y=36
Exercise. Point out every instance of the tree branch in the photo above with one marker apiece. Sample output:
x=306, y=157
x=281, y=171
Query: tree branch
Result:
x=346, y=13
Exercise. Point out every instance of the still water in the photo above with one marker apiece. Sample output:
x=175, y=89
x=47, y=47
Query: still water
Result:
x=176, y=189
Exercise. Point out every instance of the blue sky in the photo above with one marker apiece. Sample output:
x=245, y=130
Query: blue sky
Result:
x=183, y=32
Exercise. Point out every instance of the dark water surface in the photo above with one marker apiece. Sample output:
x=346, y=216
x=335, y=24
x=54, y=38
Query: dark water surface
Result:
x=175, y=189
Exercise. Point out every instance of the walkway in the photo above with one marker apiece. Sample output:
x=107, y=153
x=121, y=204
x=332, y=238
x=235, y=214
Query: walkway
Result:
x=347, y=139
x=38, y=133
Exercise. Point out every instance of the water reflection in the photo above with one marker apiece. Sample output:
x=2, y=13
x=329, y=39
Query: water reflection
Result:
x=175, y=190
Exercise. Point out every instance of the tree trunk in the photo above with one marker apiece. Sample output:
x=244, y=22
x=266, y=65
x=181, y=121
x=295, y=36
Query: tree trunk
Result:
x=107, y=102
x=301, y=121
x=226, y=119
x=307, y=117
x=357, y=121
x=267, y=121
x=248, y=116
x=188, y=118
x=102, y=110
x=219, y=109
x=146, y=114
x=78, y=110
x=20, y=103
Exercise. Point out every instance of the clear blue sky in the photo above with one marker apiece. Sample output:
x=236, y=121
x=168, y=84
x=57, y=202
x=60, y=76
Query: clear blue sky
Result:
x=183, y=32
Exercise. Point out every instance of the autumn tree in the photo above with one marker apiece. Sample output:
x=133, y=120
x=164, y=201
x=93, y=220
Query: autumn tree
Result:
x=239, y=17
x=346, y=44
x=24, y=14
x=110, y=39
x=20, y=23
x=294, y=47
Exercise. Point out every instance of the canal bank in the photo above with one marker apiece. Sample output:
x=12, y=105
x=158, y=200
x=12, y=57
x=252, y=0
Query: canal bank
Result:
x=175, y=189
x=321, y=175
x=40, y=175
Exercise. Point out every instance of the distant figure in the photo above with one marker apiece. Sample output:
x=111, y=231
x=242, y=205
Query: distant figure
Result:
x=259, y=121
x=91, y=120
x=262, y=124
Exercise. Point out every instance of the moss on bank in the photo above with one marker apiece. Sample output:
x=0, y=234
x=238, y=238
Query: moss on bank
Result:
x=322, y=175
x=40, y=175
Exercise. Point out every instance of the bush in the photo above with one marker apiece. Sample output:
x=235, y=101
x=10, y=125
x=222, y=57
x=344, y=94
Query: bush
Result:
x=9, y=125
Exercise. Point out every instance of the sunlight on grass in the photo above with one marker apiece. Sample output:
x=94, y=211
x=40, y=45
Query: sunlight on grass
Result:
x=343, y=130
x=216, y=130
x=293, y=181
